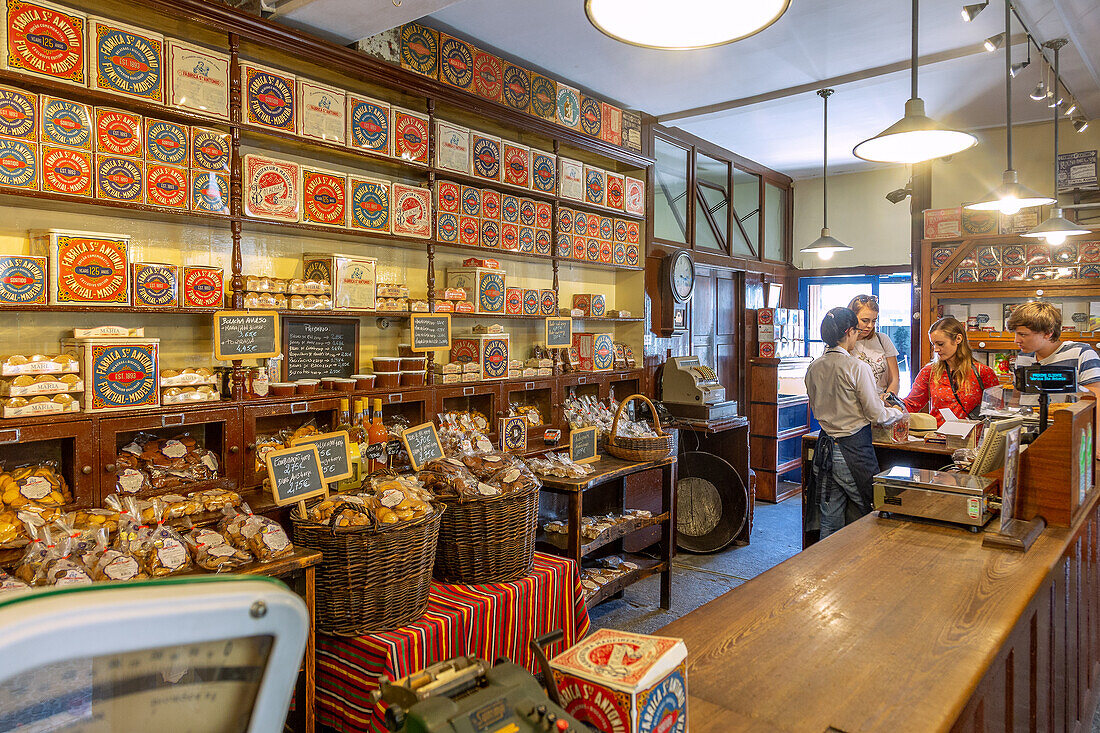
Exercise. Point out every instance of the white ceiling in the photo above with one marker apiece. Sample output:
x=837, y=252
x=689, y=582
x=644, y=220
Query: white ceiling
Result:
x=767, y=82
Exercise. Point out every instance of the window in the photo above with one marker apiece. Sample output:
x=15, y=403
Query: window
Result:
x=746, y=211
x=775, y=223
x=670, y=197
x=712, y=200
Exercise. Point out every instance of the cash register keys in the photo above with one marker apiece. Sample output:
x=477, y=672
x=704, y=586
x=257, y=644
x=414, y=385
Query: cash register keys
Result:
x=691, y=390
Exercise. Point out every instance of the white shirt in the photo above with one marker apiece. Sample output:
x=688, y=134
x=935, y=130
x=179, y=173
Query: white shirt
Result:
x=843, y=395
x=875, y=351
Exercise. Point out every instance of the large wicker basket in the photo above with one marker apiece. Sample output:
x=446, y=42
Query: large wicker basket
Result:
x=639, y=449
x=372, y=578
x=488, y=540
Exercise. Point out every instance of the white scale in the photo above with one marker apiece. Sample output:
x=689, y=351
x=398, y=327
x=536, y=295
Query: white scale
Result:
x=203, y=654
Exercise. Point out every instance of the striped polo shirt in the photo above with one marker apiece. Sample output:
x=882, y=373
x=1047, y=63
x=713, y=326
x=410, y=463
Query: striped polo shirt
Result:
x=1081, y=357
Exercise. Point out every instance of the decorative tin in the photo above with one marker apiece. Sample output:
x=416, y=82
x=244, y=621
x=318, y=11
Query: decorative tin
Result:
x=596, y=351
x=209, y=192
x=66, y=123
x=569, y=107
x=490, y=204
x=517, y=164
x=198, y=79
x=1013, y=254
x=1090, y=251
x=1037, y=254
x=527, y=239
x=370, y=204
x=531, y=302
x=544, y=97
x=509, y=208
x=485, y=156
x=488, y=76
x=456, y=62
x=543, y=176
x=1064, y=273
x=565, y=219
x=611, y=127
x=592, y=249
x=412, y=211
x=323, y=197
x=489, y=352
x=268, y=97
x=595, y=186
x=542, y=242
x=633, y=257
x=517, y=87
x=270, y=188
x=201, y=287
x=420, y=49
x=580, y=247
x=118, y=133
x=527, y=214
x=18, y=114
x=446, y=227
x=410, y=136
x=487, y=283
x=127, y=60
x=66, y=171
x=633, y=196
x=167, y=185
x=591, y=116
x=469, y=230
x=979, y=222
x=544, y=215
x=209, y=150
x=368, y=124
x=321, y=112
x=490, y=233
x=166, y=142
x=471, y=201
x=943, y=223
x=620, y=230
x=607, y=229
x=970, y=274
x=593, y=226
x=45, y=40
x=1064, y=254
x=120, y=374
x=509, y=236
x=620, y=253
x=580, y=223
x=86, y=268
x=19, y=164
x=448, y=197
x=452, y=147
x=940, y=255
x=155, y=286
x=1090, y=271
x=513, y=301
x=570, y=179
x=548, y=302
x=607, y=252
x=565, y=245
x=119, y=179
x=614, y=198
x=633, y=233
x=23, y=280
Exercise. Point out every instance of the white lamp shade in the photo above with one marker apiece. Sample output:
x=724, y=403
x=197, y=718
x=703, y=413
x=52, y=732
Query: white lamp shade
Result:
x=1010, y=197
x=825, y=246
x=914, y=138
x=1056, y=228
x=685, y=24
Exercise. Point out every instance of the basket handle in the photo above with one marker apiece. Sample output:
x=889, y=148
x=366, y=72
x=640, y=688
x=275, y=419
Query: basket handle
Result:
x=351, y=506
x=622, y=406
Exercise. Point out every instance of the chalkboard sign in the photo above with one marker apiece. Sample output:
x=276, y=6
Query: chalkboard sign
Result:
x=295, y=474
x=559, y=332
x=320, y=347
x=245, y=335
x=335, y=453
x=582, y=445
x=422, y=444
x=431, y=332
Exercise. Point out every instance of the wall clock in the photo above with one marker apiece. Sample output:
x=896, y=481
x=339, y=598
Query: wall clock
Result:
x=680, y=273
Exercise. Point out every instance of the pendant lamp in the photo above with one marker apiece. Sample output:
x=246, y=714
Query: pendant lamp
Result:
x=1011, y=195
x=684, y=25
x=916, y=137
x=1056, y=228
x=825, y=245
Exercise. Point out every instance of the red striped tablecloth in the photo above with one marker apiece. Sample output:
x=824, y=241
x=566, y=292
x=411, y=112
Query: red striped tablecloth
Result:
x=487, y=621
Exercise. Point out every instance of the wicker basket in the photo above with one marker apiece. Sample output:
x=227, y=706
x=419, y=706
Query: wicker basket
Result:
x=639, y=449
x=371, y=578
x=488, y=540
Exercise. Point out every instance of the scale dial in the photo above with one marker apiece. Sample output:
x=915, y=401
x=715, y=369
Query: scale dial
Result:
x=681, y=275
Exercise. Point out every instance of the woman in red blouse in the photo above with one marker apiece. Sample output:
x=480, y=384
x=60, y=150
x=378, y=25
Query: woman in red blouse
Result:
x=952, y=379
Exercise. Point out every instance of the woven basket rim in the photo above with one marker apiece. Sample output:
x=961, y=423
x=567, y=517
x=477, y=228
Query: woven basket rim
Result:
x=489, y=499
x=437, y=511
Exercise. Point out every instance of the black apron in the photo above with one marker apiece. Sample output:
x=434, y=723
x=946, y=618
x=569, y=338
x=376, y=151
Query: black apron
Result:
x=859, y=454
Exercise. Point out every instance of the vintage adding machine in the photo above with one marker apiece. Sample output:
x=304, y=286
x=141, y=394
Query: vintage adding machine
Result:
x=691, y=390
x=959, y=498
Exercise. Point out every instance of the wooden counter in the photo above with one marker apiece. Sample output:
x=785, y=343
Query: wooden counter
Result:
x=893, y=625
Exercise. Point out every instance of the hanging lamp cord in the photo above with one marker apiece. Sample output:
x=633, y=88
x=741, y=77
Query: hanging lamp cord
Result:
x=825, y=94
x=913, y=80
x=1008, y=81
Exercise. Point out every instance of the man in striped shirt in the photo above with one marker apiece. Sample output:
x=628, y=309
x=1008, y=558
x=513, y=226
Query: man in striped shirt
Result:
x=1037, y=328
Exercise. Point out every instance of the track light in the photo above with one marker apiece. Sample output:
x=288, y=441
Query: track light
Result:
x=1039, y=93
x=1080, y=124
x=994, y=42
x=1072, y=108
x=899, y=194
x=970, y=12
x=1018, y=67
x=1052, y=105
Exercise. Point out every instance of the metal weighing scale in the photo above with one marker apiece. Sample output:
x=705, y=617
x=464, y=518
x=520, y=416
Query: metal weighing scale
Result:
x=691, y=390
x=949, y=497
x=204, y=654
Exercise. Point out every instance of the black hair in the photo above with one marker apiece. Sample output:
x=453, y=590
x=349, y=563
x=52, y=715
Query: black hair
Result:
x=836, y=323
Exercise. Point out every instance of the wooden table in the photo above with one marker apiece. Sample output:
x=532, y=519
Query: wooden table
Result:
x=892, y=625
x=617, y=484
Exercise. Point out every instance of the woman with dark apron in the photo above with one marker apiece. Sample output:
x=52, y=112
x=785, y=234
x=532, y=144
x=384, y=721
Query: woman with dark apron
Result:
x=845, y=400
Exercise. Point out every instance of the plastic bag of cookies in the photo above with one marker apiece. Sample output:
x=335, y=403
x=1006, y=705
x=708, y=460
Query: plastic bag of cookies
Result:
x=263, y=537
x=41, y=483
x=214, y=500
x=213, y=552
x=7, y=583
x=448, y=478
x=158, y=546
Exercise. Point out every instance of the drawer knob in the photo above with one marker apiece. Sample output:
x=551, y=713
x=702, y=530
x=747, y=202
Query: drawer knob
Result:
x=110, y=468
x=250, y=447
x=234, y=449
x=86, y=470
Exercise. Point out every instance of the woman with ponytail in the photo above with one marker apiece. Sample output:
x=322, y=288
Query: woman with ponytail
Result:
x=952, y=380
x=845, y=400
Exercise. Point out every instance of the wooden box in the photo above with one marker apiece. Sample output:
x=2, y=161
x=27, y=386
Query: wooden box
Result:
x=86, y=268
x=489, y=351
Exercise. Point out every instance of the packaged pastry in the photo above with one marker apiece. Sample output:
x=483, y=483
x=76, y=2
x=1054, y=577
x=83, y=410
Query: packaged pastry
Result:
x=83, y=519
x=402, y=499
x=212, y=551
x=116, y=565
x=176, y=506
x=448, y=478
x=30, y=566
x=159, y=547
x=11, y=530
x=62, y=567
x=355, y=511
x=264, y=538
x=514, y=479
x=214, y=500
x=7, y=583
x=484, y=465
x=20, y=364
x=40, y=482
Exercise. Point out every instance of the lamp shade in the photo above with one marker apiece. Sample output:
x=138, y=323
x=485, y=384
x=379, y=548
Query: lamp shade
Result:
x=825, y=246
x=913, y=139
x=1010, y=197
x=1056, y=228
x=685, y=24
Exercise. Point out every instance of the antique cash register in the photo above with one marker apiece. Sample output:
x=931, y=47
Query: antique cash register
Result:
x=691, y=390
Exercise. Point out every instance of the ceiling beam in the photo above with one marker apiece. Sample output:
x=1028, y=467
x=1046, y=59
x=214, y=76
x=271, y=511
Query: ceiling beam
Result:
x=894, y=68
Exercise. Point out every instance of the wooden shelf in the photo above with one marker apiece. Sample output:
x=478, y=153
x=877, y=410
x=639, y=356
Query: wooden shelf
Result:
x=601, y=210
x=1003, y=341
x=501, y=186
x=105, y=309
x=107, y=207
x=609, y=535
x=646, y=567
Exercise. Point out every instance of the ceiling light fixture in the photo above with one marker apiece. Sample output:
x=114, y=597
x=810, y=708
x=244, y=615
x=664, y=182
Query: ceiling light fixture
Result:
x=1054, y=104
x=916, y=137
x=1071, y=109
x=970, y=12
x=825, y=245
x=1056, y=228
x=1080, y=124
x=689, y=24
x=994, y=42
x=900, y=194
x=1010, y=196
x=1039, y=93
x=1018, y=67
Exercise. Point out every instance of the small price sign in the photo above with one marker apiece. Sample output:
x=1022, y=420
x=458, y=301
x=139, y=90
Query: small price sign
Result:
x=295, y=475
x=422, y=444
x=430, y=332
x=246, y=335
x=559, y=332
x=582, y=445
x=334, y=451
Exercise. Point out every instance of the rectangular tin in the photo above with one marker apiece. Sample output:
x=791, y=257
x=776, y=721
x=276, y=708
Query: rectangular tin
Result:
x=527, y=212
x=119, y=179
x=569, y=107
x=66, y=123
x=410, y=136
x=448, y=197
x=485, y=286
x=634, y=196
x=596, y=351
x=531, y=305
x=517, y=164
x=369, y=204
x=544, y=215
x=65, y=170
x=570, y=179
x=45, y=40
x=611, y=129
x=86, y=268
x=23, y=280
x=353, y=278
x=456, y=62
x=542, y=242
x=18, y=114
x=943, y=223
x=527, y=239
x=591, y=116
x=198, y=79
x=489, y=352
x=268, y=96
x=543, y=171
x=202, y=286
x=167, y=142
x=446, y=226
x=509, y=208
x=411, y=211
x=490, y=204
x=513, y=301
x=485, y=152
x=452, y=147
x=490, y=233
x=580, y=246
x=471, y=201
x=155, y=285
x=615, y=190
x=271, y=188
x=369, y=124
x=516, y=92
x=620, y=253
x=469, y=230
x=126, y=60
x=548, y=302
x=322, y=112
x=168, y=186
x=324, y=197
x=19, y=164
x=118, y=133
x=209, y=150
x=633, y=232
x=509, y=236
x=419, y=49
x=595, y=186
x=544, y=98
x=119, y=373
x=209, y=192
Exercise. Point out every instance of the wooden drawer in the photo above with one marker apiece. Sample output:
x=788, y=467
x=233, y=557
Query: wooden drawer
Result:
x=69, y=443
x=268, y=419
